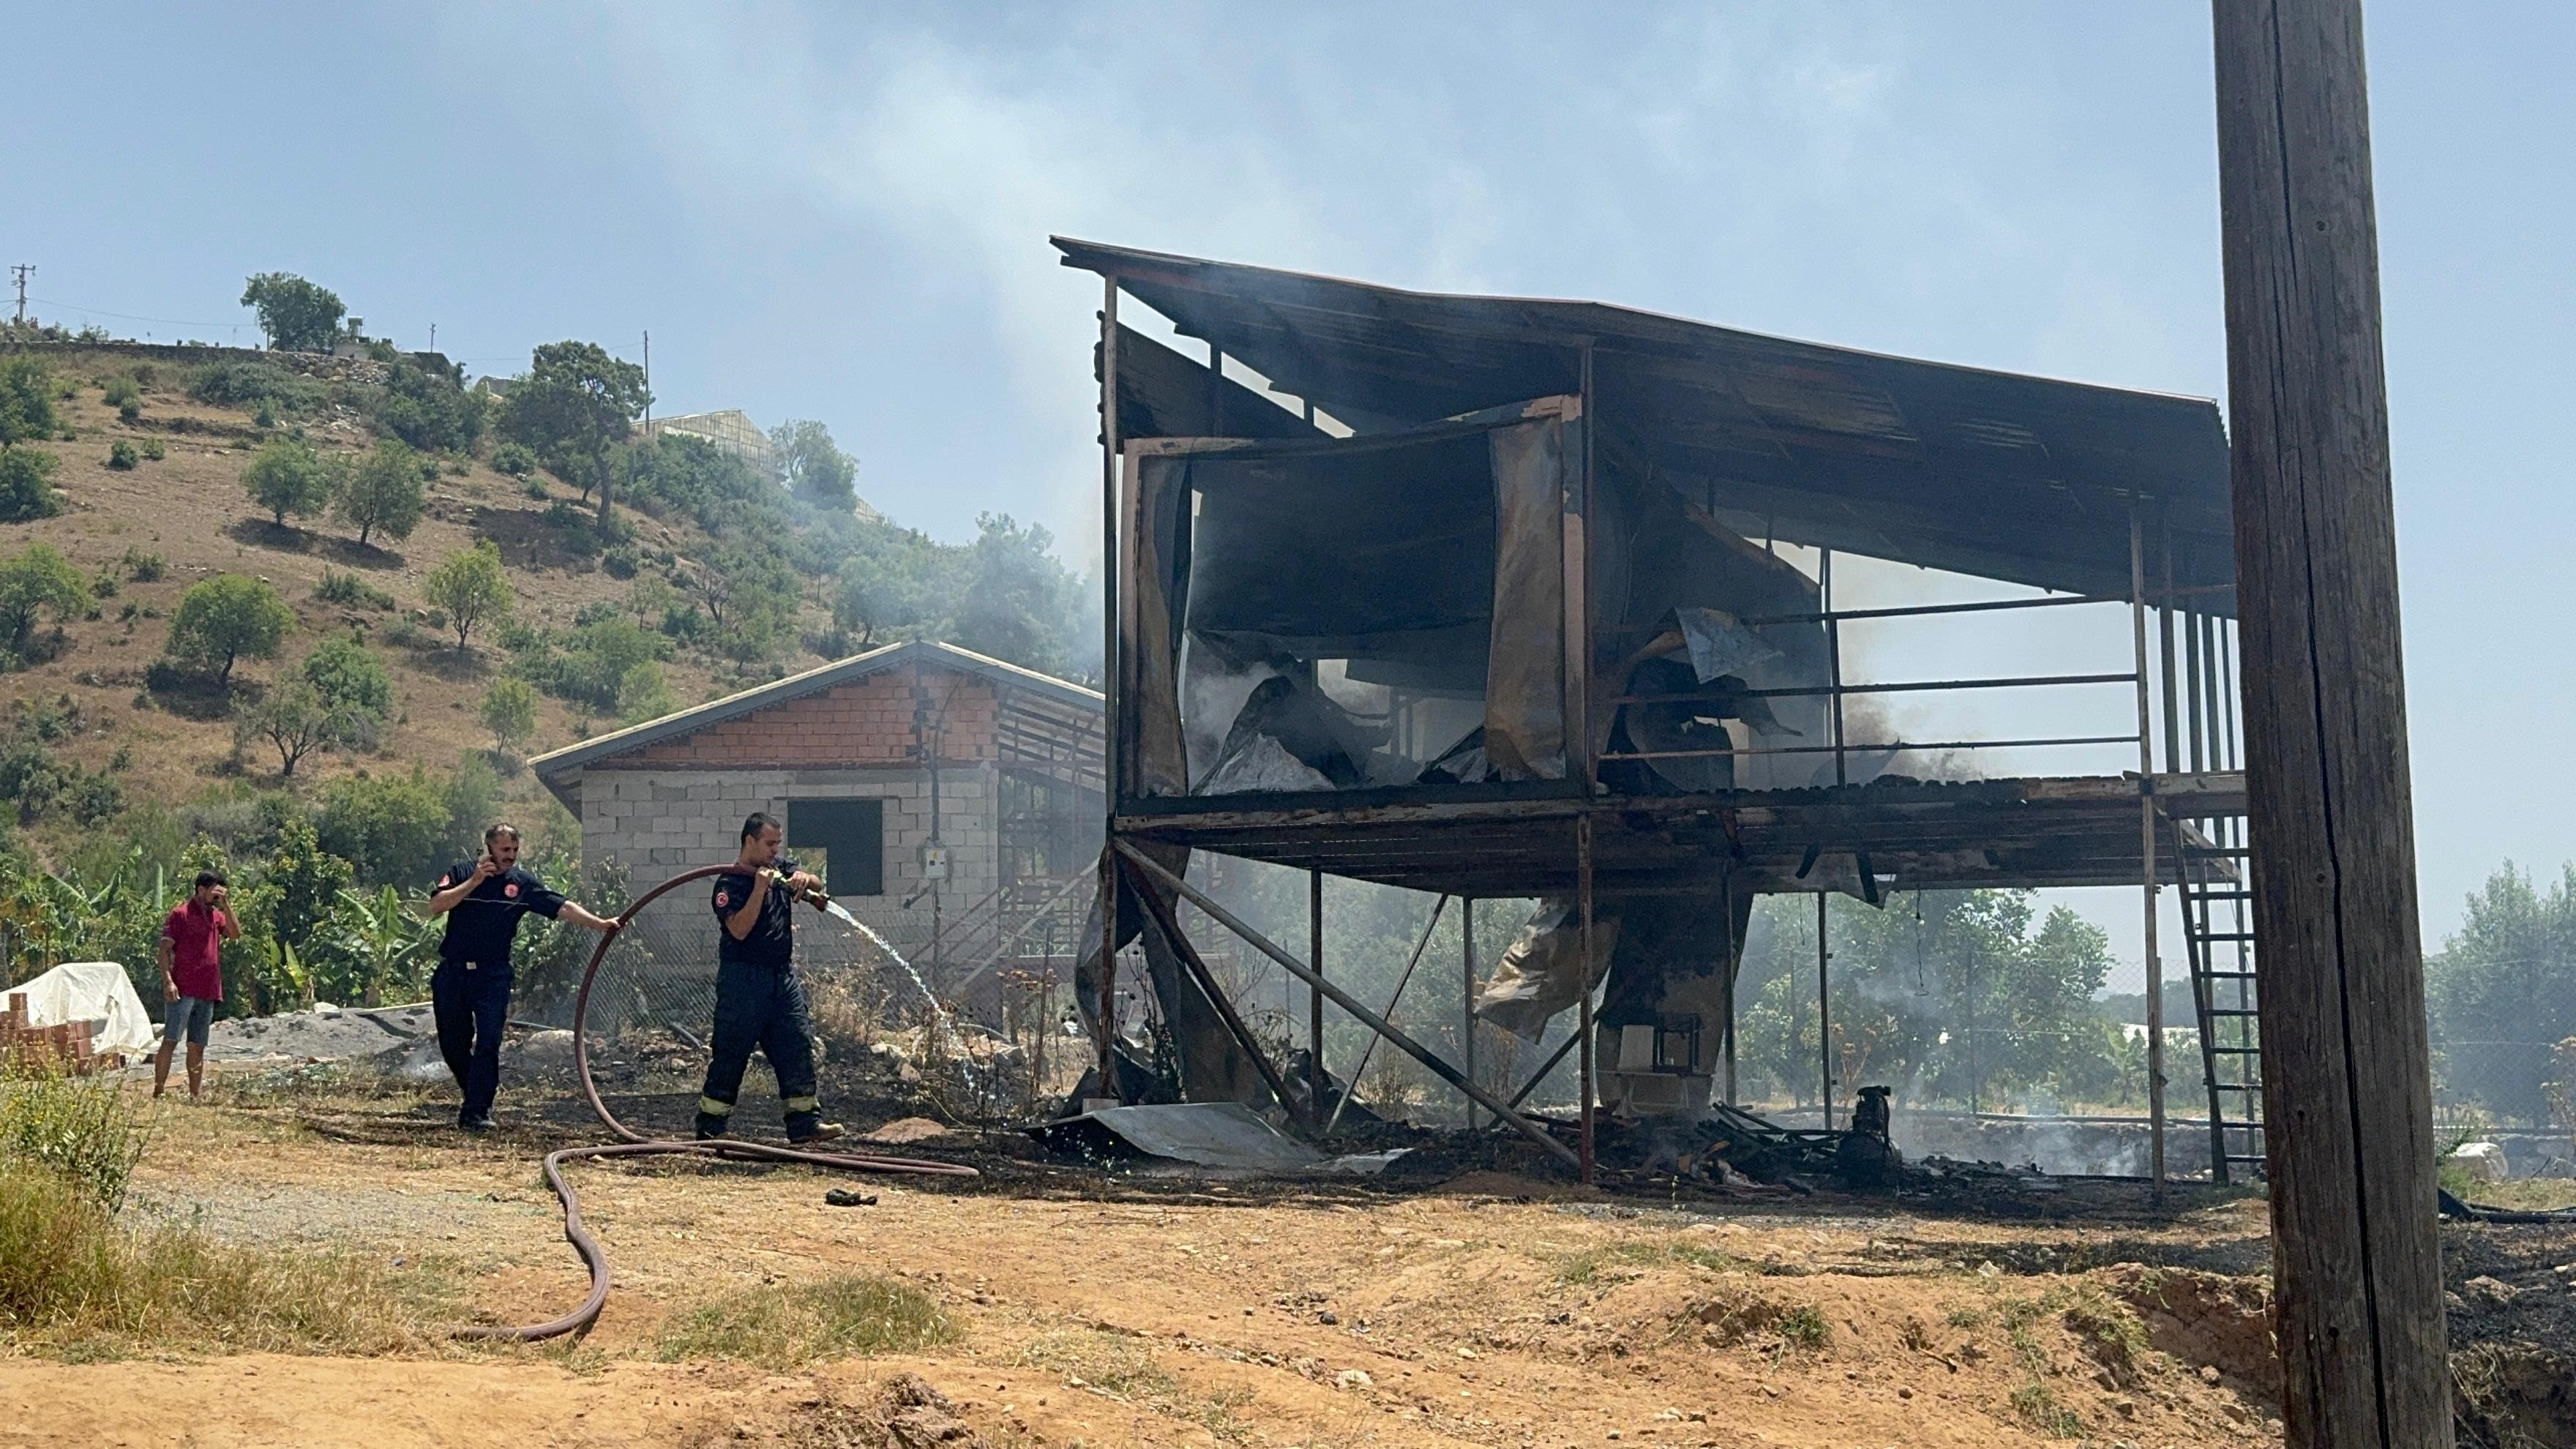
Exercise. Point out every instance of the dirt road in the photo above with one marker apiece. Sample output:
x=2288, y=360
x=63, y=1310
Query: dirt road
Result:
x=1489, y=1310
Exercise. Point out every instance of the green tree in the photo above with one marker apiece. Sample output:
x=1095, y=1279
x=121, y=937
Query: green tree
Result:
x=643, y=694
x=427, y=408
x=27, y=485
x=603, y=652
x=287, y=477
x=346, y=674
x=384, y=491
x=296, y=721
x=228, y=618
x=751, y=594
x=1019, y=601
x=813, y=467
x=572, y=409
x=2502, y=992
x=472, y=587
x=296, y=315
x=509, y=712
x=26, y=401
x=393, y=828
x=35, y=582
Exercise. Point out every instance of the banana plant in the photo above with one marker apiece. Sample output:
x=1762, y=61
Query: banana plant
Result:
x=389, y=937
x=289, y=978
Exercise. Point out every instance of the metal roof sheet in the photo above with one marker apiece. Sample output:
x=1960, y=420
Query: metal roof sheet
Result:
x=2000, y=475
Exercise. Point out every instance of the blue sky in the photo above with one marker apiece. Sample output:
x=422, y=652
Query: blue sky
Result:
x=841, y=214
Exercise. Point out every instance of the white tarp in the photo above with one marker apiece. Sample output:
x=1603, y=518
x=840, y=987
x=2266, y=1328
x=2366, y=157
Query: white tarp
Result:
x=98, y=993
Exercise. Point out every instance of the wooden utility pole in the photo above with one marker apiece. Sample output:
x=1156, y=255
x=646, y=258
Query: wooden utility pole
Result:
x=2346, y=1078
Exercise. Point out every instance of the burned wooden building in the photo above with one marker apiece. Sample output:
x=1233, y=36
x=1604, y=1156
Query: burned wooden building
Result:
x=1488, y=597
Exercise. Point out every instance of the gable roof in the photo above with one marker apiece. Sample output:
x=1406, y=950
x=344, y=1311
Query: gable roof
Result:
x=1014, y=682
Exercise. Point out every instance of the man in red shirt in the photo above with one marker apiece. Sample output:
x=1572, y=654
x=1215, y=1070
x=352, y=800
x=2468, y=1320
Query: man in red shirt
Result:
x=192, y=976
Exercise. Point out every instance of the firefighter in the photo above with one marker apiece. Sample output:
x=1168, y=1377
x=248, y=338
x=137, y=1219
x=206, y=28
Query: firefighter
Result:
x=759, y=1000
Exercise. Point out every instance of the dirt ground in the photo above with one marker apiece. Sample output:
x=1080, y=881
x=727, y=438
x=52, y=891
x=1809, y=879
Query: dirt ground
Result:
x=1458, y=1304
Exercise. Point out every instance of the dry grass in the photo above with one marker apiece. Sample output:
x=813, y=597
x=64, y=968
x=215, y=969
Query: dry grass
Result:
x=787, y=1326
x=77, y=1283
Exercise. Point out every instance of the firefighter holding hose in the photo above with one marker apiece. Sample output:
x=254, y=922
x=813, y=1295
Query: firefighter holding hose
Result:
x=469, y=995
x=760, y=1002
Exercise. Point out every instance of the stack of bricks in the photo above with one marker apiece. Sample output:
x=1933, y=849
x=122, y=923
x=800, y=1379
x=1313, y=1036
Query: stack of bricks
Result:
x=27, y=1047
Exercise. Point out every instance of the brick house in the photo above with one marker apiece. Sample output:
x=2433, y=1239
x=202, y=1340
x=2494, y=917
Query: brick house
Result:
x=944, y=796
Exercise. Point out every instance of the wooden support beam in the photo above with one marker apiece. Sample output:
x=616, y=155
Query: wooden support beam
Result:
x=2346, y=1069
x=1347, y=1002
x=1114, y=753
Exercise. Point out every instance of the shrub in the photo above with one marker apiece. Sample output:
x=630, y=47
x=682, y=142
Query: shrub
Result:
x=104, y=585
x=121, y=455
x=287, y=477
x=130, y=410
x=227, y=618
x=536, y=488
x=338, y=586
x=26, y=401
x=264, y=416
x=119, y=390
x=621, y=562
x=383, y=492
x=425, y=408
x=509, y=711
x=143, y=568
x=470, y=586
x=154, y=450
x=79, y=1129
x=514, y=459
x=26, y=485
x=71, y=1275
x=35, y=583
x=247, y=384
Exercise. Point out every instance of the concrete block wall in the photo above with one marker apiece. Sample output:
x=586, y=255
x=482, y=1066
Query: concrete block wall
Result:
x=659, y=822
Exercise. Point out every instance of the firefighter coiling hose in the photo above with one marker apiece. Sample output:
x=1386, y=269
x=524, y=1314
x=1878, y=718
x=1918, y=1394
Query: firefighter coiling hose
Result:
x=632, y=1143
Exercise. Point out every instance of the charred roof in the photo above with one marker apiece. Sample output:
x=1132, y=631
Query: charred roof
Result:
x=2023, y=479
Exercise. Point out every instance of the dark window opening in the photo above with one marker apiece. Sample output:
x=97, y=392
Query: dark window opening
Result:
x=843, y=841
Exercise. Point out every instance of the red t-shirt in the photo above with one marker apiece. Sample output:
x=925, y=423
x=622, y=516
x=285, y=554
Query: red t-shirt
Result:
x=195, y=934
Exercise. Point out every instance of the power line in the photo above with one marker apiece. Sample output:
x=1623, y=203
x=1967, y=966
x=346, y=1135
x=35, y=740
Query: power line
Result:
x=20, y=271
x=235, y=324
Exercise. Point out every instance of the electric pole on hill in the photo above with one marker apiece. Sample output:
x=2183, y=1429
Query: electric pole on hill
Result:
x=20, y=271
x=2347, y=1083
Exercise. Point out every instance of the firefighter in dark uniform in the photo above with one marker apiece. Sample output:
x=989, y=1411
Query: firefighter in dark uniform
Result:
x=759, y=1000
x=470, y=993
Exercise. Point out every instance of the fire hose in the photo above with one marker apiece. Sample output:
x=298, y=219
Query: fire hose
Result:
x=632, y=1143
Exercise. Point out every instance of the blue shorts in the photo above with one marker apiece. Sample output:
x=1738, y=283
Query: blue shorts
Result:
x=191, y=1014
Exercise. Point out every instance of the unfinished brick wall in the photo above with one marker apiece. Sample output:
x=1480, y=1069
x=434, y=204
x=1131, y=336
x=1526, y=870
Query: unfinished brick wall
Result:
x=865, y=722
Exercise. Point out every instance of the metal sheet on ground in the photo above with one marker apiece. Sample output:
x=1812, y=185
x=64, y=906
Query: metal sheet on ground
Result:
x=1204, y=1134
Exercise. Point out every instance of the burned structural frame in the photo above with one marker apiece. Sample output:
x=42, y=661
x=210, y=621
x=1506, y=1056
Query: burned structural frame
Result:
x=2097, y=494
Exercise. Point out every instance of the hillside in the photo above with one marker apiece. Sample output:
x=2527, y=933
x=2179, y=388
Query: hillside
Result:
x=171, y=739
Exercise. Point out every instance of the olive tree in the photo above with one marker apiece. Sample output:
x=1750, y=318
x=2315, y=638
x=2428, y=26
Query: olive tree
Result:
x=228, y=618
x=471, y=586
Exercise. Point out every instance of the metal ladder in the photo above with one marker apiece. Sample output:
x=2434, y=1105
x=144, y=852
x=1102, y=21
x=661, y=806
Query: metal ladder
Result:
x=2218, y=928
